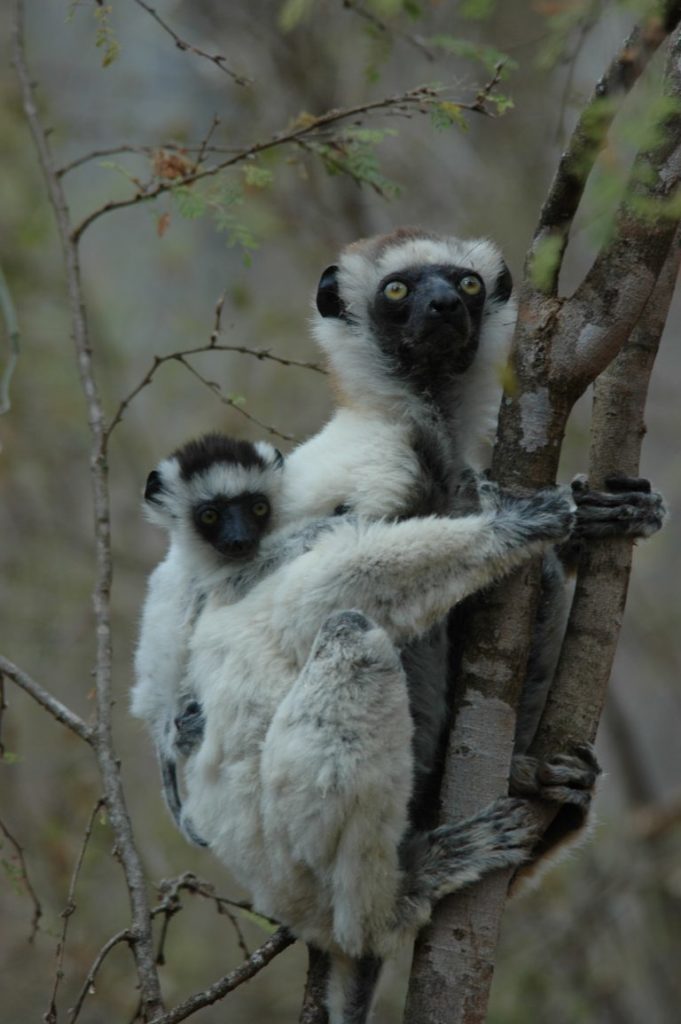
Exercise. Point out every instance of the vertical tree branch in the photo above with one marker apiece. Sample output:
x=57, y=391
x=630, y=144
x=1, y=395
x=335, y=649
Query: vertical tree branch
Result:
x=150, y=991
x=578, y=693
x=454, y=956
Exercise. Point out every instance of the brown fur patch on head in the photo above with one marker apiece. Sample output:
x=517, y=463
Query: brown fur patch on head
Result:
x=373, y=247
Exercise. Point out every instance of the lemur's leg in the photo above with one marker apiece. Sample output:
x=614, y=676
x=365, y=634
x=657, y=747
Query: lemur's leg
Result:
x=445, y=859
x=336, y=773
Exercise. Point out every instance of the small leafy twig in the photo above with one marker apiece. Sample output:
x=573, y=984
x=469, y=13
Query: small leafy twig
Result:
x=422, y=98
x=51, y=1014
x=255, y=963
x=37, y=909
x=13, y=338
x=215, y=58
x=50, y=703
x=122, y=936
x=204, y=144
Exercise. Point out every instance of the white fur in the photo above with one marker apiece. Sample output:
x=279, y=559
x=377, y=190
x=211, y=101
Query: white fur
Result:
x=307, y=820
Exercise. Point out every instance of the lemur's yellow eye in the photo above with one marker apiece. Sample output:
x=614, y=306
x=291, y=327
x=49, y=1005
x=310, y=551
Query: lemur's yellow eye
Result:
x=470, y=285
x=260, y=508
x=395, y=290
x=209, y=516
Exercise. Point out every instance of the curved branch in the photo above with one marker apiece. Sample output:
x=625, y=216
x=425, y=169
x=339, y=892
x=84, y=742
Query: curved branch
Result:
x=37, y=908
x=55, y=707
x=259, y=959
x=122, y=936
x=217, y=59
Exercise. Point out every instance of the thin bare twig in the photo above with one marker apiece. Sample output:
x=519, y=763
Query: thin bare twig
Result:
x=216, y=58
x=145, y=150
x=115, y=940
x=408, y=37
x=258, y=959
x=188, y=881
x=13, y=338
x=206, y=141
x=23, y=877
x=147, y=973
x=233, y=403
x=180, y=357
x=170, y=889
x=50, y=703
x=50, y=1016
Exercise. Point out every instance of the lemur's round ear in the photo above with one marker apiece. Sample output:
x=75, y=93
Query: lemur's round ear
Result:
x=503, y=286
x=278, y=459
x=154, y=487
x=329, y=302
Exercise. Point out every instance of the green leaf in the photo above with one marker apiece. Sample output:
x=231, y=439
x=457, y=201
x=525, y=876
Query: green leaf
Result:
x=104, y=38
x=257, y=177
x=446, y=114
x=190, y=203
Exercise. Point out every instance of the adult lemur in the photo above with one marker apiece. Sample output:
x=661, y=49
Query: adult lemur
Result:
x=302, y=781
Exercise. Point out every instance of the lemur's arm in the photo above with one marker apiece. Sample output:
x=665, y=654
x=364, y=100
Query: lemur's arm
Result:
x=406, y=575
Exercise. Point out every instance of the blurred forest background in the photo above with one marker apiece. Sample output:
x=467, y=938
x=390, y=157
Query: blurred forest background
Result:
x=600, y=940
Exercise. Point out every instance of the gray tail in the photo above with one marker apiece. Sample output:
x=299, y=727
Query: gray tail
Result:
x=351, y=988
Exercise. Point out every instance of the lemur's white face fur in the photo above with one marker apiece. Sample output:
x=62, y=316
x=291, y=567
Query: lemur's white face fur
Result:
x=218, y=495
x=412, y=308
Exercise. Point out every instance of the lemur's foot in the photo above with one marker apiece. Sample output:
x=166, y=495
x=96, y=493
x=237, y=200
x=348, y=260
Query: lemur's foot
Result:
x=627, y=508
x=568, y=778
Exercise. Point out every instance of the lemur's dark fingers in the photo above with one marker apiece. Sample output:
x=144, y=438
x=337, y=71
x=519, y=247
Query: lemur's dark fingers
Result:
x=566, y=778
x=622, y=482
x=566, y=770
x=615, y=483
x=588, y=754
x=604, y=499
x=641, y=519
x=567, y=795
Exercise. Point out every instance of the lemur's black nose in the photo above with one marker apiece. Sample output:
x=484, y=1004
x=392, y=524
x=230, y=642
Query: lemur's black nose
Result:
x=443, y=299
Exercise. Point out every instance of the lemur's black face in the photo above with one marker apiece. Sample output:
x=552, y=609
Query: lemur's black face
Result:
x=233, y=526
x=427, y=319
